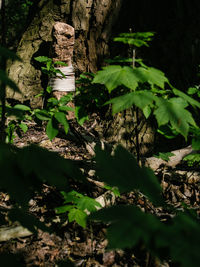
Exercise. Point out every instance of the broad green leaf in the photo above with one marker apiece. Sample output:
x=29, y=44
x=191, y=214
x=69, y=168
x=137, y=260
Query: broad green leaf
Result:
x=174, y=111
x=141, y=99
x=146, y=111
x=61, y=117
x=63, y=209
x=122, y=171
x=48, y=167
x=49, y=64
x=49, y=89
x=65, y=99
x=128, y=226
x=114, y=76
x=72, y=196
x=187, y=98
x=7, y=81
x=22, y=107
x=51, y=129
x=24, y=127
x=79, y=216
x=151, y=75
x=87, y=203
x=43, y=59
x=65, y=108
x=42, y=115
x=60, y=63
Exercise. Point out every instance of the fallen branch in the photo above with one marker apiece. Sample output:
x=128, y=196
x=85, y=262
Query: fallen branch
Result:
x=155, y=163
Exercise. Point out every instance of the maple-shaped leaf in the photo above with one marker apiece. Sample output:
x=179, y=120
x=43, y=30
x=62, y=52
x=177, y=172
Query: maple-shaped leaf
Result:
x=174, y=111
x=141, y=99
x=79, y=216
x=152, y=76
x=87, y=203
x=114, y=76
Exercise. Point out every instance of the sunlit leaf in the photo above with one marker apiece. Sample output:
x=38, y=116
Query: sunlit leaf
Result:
x=175, y=112
x=114, y=76
x=79, y=216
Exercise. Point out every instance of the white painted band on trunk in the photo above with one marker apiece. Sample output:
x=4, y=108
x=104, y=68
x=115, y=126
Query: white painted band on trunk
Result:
x=64, y=84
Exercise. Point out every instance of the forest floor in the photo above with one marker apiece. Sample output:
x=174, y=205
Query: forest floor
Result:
x=87, y=247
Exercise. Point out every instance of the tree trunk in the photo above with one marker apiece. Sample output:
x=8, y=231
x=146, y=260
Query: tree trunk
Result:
x=93, y=21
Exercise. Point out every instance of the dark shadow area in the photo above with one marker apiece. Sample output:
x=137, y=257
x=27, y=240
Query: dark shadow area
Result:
x=176, y=46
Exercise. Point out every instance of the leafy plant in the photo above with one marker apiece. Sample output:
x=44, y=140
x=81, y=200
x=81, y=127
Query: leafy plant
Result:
x=50, y=70
x=78, y=206
x=149, y=90
x=129, y=226
x=17, y=118
x=55, y=113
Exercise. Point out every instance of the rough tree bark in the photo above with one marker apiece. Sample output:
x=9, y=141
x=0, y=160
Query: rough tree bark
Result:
x=94, y=23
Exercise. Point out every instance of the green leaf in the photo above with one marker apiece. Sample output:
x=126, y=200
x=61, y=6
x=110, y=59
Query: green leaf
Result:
x=42, y=115
x=81, y=114
x=43, y=59
x=192, y=90
x=60, y=63
x=137, y=39
x=123, y=172
x=152, y=76
x=7, y=81
x=140, y=98
x=61, y=117
x=49, y=64
x=51, y=129
x=71, y=197
x=22, y=107
x=24, y=127
x=146, y=111
x=187, y=98
x=49, y=89
x=87, y=203
x=65, y=108
x=63, y=209
x=128, y=226
x=164, y=156
x=114, y=76
x=174, y=111
x=79, y=216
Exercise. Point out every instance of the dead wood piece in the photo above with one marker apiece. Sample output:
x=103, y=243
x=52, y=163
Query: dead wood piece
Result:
x=155, y=163
x=7, y=233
